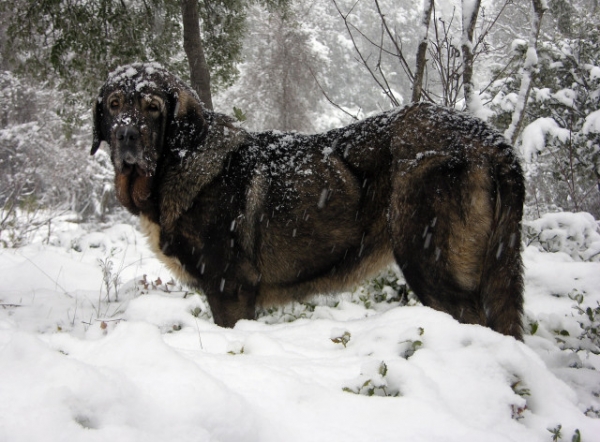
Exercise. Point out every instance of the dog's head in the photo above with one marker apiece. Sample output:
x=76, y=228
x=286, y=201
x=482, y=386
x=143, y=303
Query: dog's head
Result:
x=146, y=115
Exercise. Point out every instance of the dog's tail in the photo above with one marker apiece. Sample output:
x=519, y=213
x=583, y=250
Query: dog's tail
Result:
x=501, y=283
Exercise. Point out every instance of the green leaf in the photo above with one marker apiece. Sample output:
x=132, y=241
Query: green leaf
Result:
x=534, y=327
x=239, y=114
x=383, y=369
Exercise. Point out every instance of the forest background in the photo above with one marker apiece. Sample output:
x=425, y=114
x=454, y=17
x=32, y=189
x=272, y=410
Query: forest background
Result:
x=531, y=69
x=98, y=342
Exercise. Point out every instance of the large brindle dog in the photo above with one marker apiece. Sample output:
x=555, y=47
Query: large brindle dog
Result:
x=256, y=218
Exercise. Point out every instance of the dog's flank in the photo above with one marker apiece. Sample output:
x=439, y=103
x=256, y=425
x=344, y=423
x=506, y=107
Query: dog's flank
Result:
x=270, y=217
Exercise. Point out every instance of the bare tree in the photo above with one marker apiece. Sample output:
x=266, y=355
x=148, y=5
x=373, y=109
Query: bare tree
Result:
x=376, y=72
x=446, y=61
x=451, y=63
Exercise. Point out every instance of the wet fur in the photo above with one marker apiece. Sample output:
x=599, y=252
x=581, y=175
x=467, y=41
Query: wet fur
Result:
x=269, y=217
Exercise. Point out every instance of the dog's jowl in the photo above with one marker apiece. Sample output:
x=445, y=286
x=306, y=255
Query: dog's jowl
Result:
x=268, y=217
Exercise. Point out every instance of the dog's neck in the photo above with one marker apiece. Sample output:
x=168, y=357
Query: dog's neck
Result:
x=186, y=178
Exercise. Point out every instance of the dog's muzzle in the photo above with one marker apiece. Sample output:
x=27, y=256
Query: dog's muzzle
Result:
x=127, y=142
x=130, y=151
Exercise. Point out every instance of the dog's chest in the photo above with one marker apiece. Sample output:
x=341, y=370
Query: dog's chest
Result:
x=152, y=232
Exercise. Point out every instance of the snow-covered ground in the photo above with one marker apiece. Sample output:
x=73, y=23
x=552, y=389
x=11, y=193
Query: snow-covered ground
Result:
x=151, y=366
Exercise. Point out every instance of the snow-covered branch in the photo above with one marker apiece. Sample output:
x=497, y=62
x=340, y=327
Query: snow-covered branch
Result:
x=531, y=61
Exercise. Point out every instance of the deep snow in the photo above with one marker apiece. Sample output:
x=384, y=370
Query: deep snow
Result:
x=151, y=366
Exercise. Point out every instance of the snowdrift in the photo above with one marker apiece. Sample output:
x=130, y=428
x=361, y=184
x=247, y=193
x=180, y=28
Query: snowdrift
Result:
x=98, y=343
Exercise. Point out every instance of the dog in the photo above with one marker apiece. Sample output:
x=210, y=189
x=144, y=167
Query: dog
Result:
x=256, y=218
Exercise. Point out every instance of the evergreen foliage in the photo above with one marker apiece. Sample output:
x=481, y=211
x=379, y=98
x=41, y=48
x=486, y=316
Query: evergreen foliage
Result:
x=277, y=89
x=76, y=44
x=224, y=25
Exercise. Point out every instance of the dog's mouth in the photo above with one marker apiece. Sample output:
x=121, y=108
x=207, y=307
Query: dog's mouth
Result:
x=133, y=170
x=133, y=183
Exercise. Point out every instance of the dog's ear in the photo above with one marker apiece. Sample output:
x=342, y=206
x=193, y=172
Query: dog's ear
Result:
x=187, y=124
x=97, y=117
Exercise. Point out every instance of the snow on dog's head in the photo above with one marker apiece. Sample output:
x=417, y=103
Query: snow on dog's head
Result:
x=142, y=113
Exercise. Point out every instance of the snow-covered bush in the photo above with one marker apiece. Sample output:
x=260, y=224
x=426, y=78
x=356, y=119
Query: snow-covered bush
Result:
x=44, y=155
x=576, y=234
x=560, y=142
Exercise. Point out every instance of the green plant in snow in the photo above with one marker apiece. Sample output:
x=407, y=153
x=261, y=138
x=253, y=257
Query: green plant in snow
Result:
x=520, y=389
x=342, y=338
x=235, y=348
x=557, y=434
x=589, y=322
x=592, y=412
x=239, y=114
x=374, y=384
x=287, y=313
x=523, y=391
x=410, y=346
x=387, y=287
x=202, y=310
x=588, y=318
x=533, y=327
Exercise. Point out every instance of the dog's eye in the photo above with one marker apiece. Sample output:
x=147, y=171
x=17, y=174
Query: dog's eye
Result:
x=153, y=106
x=114, y=104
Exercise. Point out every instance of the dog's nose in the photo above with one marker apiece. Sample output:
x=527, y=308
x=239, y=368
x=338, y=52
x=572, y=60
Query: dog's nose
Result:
x=127, y=134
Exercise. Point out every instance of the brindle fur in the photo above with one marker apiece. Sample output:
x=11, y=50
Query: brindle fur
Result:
x=258, y=218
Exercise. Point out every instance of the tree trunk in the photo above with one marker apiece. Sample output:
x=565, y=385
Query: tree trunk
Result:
x=513, y=131
x=422, y=51
x=192, y=44
x=470, y=11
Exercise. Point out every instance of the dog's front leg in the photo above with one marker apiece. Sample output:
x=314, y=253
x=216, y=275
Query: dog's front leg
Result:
x=231, y=302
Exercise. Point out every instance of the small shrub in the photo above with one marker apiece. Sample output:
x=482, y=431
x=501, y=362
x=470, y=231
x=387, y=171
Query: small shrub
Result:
x=373, y=383
x=341, y=337
x=575, y=234
x=410, y=346
x=557, y=434
x=111, y=277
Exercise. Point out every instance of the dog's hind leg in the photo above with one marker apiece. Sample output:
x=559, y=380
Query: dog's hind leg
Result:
x=501, y=286
x=447, y=222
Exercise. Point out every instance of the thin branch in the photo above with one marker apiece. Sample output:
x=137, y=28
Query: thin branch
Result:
x=501, y=73
x=399, y=54
x=492, y=24
x=364, y=61
x=333, y=103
